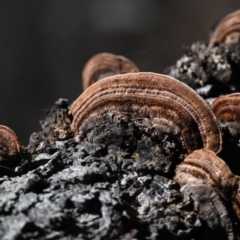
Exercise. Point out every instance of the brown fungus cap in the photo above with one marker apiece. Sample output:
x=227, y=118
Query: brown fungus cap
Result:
x=204, y=166
x=227, y=108
x=105, y=64
x=228, y=30
x=153, y=96
x=8, y=141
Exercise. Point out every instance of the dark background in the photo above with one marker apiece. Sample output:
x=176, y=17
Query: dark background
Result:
x=45, y=43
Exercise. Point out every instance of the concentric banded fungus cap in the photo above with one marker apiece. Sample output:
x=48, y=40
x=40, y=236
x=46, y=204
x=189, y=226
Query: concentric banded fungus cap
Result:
x=205, y=166
x=9, y=143
x=228, y=30
x=105, y=64
x=227, y=108
x=154, y=96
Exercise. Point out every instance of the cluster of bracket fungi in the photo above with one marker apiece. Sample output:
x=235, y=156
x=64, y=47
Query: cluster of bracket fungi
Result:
x=116, y=89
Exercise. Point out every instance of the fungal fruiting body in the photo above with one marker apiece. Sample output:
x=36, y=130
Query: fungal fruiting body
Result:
x=9, y=143
x=228, y=30
x=204, y=166
x=227, y=111
x=105, y=64
x=153, y=96
x=227, y=108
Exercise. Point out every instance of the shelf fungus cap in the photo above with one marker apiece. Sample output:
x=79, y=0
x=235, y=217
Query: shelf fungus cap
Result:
x=204, y=166
x=228, y=30
x=8, y=141
x=105, y=64
x=227, y=108
x=153, y=96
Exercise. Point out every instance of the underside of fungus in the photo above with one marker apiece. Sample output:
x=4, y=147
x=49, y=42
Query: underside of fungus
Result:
x=163, y=99
x=103, y=65
x=9, y=143
x=228, y=30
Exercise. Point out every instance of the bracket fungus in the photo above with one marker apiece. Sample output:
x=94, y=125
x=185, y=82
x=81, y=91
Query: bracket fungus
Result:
x=227, y=111
x=9, y=143
x=154, y=96
x=227, y=108
x=228, y=30
x=105, y=64
x=204, y=166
